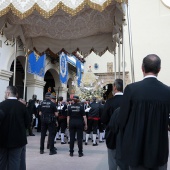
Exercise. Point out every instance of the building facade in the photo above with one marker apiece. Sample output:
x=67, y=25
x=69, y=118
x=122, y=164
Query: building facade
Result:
x=34, y=84
x=150, y=29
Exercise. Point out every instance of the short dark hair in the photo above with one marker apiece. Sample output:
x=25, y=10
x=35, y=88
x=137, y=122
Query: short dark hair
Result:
x=118, y=83
x=60, y=98
x=34, y=97
x=47, y=95
x=151, y=63
x=13, y=90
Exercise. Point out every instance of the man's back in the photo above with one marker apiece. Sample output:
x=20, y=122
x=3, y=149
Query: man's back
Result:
x=47, y=107
x=110, y=106
x=14, y=124
x=144, y=116
x=94, y=110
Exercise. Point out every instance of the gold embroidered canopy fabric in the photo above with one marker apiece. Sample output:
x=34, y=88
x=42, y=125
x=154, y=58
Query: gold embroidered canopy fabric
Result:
x=46, y=8
x=47, y=24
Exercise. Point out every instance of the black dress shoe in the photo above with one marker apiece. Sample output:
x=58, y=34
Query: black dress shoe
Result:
x=95, y=144
x=71, y=154
x=41, y=151
x=53, y=152
x=101, y=141
x=48, y=147
x=81, y=154
x=63, y=142
x=31, y=134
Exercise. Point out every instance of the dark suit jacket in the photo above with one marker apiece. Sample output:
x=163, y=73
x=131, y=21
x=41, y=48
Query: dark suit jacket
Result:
x=144, y=122
x=110, y=106
x=14, y=124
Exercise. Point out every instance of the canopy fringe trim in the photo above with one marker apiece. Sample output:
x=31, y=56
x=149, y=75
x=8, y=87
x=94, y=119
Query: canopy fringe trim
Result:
x=60, y=5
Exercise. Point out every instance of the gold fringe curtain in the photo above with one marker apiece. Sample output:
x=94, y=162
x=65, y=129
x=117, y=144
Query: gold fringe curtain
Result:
x=60, y=5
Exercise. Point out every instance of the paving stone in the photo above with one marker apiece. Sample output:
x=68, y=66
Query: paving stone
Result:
x=95, y=157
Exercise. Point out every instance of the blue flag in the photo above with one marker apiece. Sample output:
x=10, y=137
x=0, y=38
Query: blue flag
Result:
x=36, y=64
x=79, y=75
x=63, y=68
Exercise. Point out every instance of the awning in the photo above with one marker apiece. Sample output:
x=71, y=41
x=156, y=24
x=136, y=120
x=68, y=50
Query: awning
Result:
x=75, y=25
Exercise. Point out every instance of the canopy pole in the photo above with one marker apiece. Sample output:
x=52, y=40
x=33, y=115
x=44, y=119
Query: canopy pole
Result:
x=130, y=44
x=123, y=55
x=115, y=64
x=119, y=48
x=15, y=58
x=25, y=77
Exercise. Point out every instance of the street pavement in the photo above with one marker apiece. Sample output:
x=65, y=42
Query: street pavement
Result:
x=95, y=157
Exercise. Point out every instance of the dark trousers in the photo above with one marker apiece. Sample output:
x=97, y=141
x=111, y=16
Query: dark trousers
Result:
x=63, y=124
x=100, y=126
x=164, y=167
x=12, y=159
x=30, y=125
x=92, y=126
x=55, y=131
x=51, y=128
x=76, y=126
x=39, y=123
x=111, y=159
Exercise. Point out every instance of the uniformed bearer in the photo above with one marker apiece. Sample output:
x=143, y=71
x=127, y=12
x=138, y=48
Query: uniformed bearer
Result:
x=76, y=121
x=48, y=112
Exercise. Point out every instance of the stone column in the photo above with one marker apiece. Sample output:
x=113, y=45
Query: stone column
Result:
x=35, y=86
x=62, y=91
x=4, y=82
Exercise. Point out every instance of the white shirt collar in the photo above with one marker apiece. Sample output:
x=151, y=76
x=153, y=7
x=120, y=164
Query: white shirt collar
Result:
x=150, y=76
x=118, y=93
x=12, y=98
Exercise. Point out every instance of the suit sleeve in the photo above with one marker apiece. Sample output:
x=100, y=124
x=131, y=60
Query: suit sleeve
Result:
x=124, y=108
x=2, y=115
x=105, y=116
x=26, y=118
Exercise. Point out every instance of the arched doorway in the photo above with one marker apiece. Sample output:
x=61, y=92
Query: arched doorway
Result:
x=70, y=88
x=19, y=81
x=50, y=83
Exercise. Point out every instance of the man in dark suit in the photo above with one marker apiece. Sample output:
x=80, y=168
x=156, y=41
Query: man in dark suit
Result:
x=144, y=120
x=14, y=121
x=110, y=106
x=32, y=112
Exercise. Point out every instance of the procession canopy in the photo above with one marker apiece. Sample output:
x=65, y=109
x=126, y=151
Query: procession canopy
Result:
x=73, y=25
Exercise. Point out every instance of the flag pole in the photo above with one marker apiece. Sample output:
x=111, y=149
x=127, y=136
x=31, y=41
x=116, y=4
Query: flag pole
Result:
x=119, y=55
x=115, y=69
x=15, y=59
x=25, y=77
x=123, y=55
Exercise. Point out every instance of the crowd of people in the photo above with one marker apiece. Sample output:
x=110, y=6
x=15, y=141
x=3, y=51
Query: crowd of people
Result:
x=61, y=117
x=135, y=123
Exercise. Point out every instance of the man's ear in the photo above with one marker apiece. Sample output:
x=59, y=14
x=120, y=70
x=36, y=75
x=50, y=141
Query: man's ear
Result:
x=159, y=70
x=143, y=70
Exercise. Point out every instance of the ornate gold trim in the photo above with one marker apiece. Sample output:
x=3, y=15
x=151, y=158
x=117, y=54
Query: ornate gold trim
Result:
x=60, y=5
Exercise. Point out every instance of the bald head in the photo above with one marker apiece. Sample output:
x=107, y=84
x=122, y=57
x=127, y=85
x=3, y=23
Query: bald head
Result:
x=151, y=64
